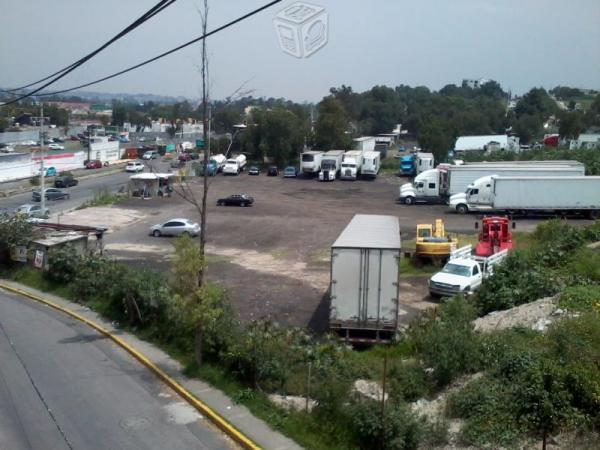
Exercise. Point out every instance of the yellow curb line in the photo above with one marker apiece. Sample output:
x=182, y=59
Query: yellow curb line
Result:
x=219, y=421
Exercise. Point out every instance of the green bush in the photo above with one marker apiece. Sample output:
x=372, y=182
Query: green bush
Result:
x=63, y=263
x=408, y=381
x=398, y=429
x=446, y=341
x=581, y=298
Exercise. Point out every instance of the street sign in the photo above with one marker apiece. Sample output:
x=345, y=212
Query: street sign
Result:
x=199, y=143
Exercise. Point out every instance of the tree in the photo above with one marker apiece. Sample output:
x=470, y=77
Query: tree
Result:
x=14, y=231
x=570, y=125
x=436, y=138
x=331, y=126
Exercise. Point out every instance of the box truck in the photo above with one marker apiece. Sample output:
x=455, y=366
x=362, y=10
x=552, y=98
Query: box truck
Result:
x=311, y=162
x=437, y=185
x=351, y=165
x=331, y=164
x=364, y=279
x=370, y=164
x=521, y=195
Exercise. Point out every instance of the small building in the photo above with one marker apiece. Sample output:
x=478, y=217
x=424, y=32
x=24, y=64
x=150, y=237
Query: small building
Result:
x=585, y=142
x=493, y=142
x=474, y=83
x=103, y=149
x=43, y=247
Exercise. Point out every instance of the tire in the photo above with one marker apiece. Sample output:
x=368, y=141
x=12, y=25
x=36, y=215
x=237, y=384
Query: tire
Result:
x=244, y=204
x=156, y=233
x=462, y=209
x=409, y=200
x=219, y=203
x=186, y=233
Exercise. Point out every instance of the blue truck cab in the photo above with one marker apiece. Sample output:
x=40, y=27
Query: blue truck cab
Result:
x=407, y=165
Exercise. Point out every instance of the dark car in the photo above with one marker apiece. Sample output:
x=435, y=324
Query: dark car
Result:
x=65, y=181
x=50, y=194
x=273, y=171
x=253, y=171
x=94, y=164
x=185, y=157
x=236, y=200
x=73, y=138
x=58, y=140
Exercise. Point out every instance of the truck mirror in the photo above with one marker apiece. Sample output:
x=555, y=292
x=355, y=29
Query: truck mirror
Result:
x=476, y=225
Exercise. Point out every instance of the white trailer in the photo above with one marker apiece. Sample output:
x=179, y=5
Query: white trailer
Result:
x=370, y=164
x=351, y=165
x=446, y=181
x=331, y=164
x=234, y=166
x=364, y=143
x=365, y=279
x=311, y=162
x=520, y=195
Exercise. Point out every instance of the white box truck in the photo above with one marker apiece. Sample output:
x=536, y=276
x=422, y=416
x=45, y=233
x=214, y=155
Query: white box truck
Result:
x=234, y=166
x=424, y=161
x=311, y=162
x=437, y=185
x=370, y=164
x=364, y=279
x=351, y=165
x=331, y=164
x=522, y=195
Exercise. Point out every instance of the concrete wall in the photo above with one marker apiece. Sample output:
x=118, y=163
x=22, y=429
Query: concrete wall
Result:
x=15, y=166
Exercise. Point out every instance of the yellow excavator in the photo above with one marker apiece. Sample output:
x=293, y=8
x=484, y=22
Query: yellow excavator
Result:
x=433, y=242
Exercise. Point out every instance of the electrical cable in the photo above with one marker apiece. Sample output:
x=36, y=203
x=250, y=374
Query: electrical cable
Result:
x=162, y=55
x=159, y=7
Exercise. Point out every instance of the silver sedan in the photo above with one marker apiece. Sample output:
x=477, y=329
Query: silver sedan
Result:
x=175, y=227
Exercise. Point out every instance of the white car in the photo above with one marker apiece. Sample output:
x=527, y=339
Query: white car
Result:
x=134, y=166
x=56, y=147
x=175, y=227
x=150, y=154
x=459, y=275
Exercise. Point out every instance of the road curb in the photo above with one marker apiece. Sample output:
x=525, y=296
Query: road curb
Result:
x=213, y=416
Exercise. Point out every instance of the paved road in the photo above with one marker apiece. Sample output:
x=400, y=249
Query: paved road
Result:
x=64, y=386
x=85, y=190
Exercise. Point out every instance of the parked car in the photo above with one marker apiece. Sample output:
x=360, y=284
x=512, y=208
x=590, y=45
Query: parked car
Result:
x=151, y=154
x=236, y=200
x=50, y=194
x=30, y=211
x=185, y=157
x=273, y=171
x=134, y=166
x=58, y=140
x=123, y=139
x=253, y=171
x=55, y=146
x=65, y=181
x=73, y=138
x=48, y=172
x=175, y=227
x=290, y=172
x=94, y=164
x=141, y=139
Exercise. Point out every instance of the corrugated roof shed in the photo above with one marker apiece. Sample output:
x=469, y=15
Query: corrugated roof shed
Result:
x=370, y=231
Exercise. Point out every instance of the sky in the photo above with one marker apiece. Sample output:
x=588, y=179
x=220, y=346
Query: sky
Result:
x=519, y=43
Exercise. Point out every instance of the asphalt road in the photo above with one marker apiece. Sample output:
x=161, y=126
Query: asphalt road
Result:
x=85, y=190
x=64, y=386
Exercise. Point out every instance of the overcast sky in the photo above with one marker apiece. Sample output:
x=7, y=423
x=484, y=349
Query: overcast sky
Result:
x=519, y=43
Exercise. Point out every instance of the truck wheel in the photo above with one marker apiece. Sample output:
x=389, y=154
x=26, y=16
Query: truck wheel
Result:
x=462, y=209
x=409, y=200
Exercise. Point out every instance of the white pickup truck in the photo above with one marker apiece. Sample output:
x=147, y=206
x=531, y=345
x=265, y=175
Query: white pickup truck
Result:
x=463, y=273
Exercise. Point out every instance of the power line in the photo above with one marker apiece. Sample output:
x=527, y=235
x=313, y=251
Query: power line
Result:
x=160, y=6
x=162, y=55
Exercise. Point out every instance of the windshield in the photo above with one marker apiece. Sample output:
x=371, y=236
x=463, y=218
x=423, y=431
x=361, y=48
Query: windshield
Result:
x=456, y=269
x=327, y=165
x=308, y=158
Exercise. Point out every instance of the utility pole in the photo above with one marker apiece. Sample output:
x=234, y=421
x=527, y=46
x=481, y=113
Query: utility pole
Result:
x=42, y=174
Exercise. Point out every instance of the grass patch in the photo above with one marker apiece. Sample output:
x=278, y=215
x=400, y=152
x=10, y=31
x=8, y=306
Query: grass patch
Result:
x=215, y=259
x=34, y=278
x=102, y=198
x=280, y=253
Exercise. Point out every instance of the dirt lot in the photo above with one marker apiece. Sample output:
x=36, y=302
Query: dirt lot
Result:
x=273, y=257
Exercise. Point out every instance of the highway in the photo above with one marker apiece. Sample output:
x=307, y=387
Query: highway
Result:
x=65, y=386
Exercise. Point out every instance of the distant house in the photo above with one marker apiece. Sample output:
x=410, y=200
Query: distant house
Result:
x=474, y=84
x=585, y=141
x=25, y=119
x=492, y=142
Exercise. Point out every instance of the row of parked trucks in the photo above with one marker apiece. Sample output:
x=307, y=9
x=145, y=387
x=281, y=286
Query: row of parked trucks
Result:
x=507, y=187
x=346, y=165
